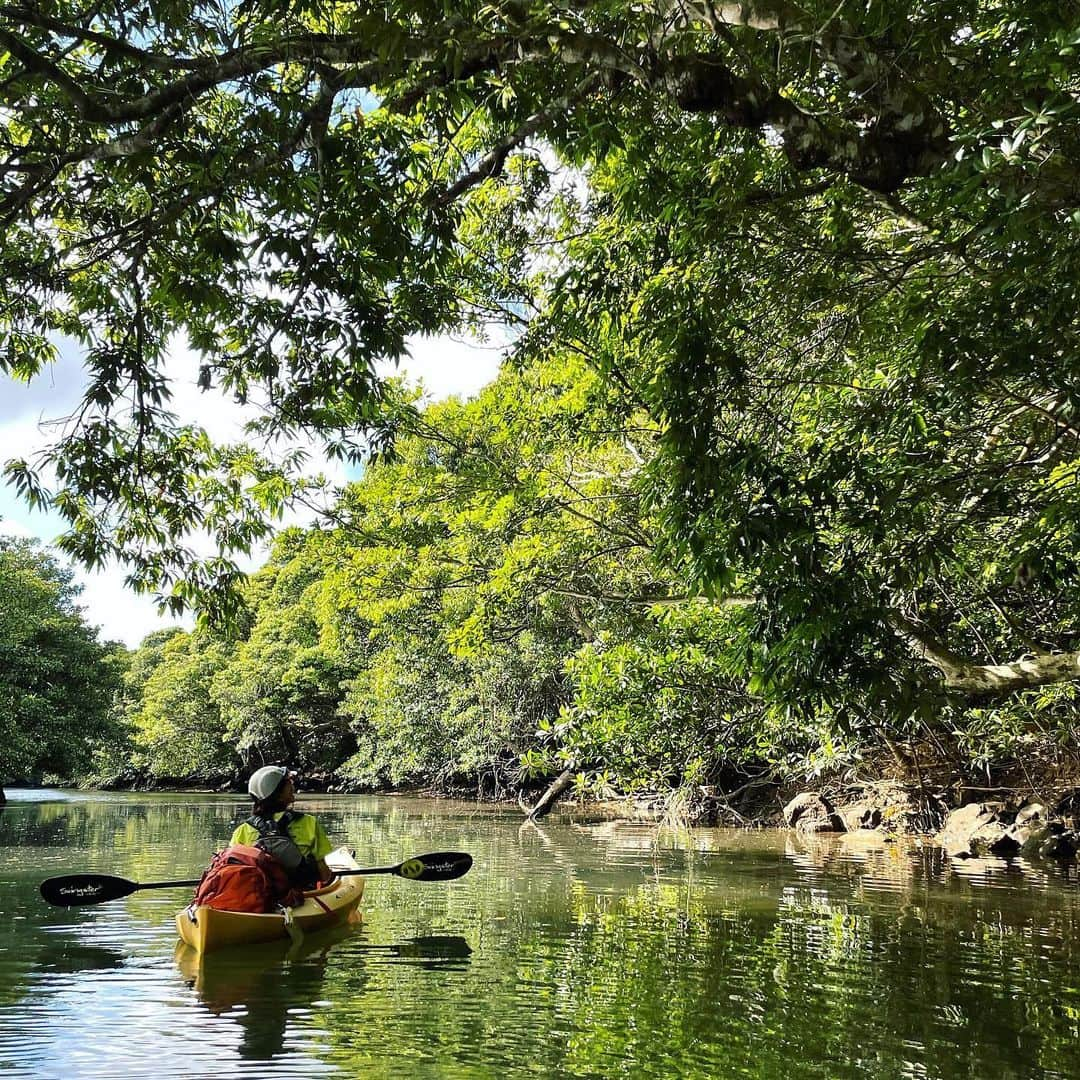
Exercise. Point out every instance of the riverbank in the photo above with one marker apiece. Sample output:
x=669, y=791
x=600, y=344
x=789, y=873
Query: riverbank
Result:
x=1034, y=816
x=1015, y=811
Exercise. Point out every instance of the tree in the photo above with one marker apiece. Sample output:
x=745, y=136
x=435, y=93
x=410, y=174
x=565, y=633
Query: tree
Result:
x=280, y=693
x=489, y=607
x=463, y=575
x=830, y=252
x=56, y=679
x=850, y=409
x=178, y=729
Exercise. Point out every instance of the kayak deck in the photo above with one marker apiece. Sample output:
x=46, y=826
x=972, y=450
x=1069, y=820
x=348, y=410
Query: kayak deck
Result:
x=209, y=929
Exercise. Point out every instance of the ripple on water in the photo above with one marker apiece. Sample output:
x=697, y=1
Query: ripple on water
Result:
x=598, y=951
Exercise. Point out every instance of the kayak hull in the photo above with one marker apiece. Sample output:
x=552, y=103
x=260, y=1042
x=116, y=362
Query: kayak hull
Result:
x=208, y=929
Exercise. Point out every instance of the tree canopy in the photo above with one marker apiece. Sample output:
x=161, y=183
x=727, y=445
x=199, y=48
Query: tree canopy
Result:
x=483, y=609
x=490, y=608
x=825, y=258
x=56, y=679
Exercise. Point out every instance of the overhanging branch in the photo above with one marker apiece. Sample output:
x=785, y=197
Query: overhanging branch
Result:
x=968, y=677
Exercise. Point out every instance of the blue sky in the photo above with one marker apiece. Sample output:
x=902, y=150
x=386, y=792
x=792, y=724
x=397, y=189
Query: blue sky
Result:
x=29, y=412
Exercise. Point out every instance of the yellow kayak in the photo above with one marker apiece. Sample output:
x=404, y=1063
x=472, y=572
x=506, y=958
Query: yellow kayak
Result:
x=208, y=929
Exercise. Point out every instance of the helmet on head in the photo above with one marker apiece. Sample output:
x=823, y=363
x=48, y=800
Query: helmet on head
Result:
x=265, y=781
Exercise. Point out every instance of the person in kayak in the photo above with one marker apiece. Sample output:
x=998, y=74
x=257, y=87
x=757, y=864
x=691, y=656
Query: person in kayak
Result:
x=296, y=840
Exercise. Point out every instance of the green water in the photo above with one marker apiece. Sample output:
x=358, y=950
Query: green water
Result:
x=577, y=950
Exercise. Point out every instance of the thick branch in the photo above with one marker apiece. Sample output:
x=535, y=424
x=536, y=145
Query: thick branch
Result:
x=879, y=150
x=214, y=71
x=34, y=62
x=969, y=677
x=129, y=145
x=30, y=17
x=879, y=155
x=550, y=797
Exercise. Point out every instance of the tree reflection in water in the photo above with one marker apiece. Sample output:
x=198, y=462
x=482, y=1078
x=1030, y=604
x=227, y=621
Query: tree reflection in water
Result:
x=262, y=986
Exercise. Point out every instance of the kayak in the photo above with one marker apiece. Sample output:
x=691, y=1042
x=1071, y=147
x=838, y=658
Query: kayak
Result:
x=207, y=929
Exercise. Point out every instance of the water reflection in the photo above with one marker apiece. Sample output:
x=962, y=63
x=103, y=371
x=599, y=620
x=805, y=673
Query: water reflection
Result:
x=875, y=862
x=267, y=988
x=263, y=988
x=70, y=958
x=576, y=950
x=432, y=951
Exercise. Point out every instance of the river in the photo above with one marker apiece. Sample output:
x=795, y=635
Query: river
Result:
x=571, y=949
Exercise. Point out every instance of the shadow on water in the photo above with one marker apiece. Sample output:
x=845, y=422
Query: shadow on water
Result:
x=71, y=958
x=431, y=951
x=264, y=987
x=261, y=986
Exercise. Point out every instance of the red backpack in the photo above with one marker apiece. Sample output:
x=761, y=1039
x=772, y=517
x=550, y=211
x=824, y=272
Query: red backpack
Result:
x=243, y=878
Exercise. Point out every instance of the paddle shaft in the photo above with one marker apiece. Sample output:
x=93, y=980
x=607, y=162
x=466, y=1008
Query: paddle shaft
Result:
x=195, y=881
x=77, y=889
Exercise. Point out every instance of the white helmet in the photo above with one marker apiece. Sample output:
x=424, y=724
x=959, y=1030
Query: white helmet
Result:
x=265, y=781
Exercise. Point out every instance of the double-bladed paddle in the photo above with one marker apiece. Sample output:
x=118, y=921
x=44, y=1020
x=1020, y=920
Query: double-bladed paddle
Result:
x=74, y=890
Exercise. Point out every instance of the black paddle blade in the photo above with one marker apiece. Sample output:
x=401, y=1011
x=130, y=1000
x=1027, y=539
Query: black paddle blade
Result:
x=439, y=866
x=77, y=889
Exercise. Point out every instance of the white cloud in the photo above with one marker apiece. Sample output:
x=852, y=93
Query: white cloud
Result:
x=119, y=613
x=444, y=366
x=13, y=528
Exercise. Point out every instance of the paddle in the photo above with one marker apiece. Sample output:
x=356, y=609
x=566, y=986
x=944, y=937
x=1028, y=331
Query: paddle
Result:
x=78, y=889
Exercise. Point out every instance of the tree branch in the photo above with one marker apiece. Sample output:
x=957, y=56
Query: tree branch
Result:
x=34, y=62
x=969, y=677
x=879, y=156
x=31, y=17
x=491, y=164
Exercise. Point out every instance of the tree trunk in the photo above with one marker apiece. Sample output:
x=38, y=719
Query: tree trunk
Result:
x=551, y=796
x=3, y=797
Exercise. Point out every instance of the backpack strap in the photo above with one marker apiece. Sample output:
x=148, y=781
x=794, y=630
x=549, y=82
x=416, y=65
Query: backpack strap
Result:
x=275, y=838
x=269, y=827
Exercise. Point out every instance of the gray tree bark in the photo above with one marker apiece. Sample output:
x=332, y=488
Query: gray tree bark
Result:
x=969, y=677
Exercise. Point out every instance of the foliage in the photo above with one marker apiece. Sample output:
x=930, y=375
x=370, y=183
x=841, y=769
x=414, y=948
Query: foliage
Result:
x=57, y=680
x=657, y=710
x=490, y=608
x=425, y=718
x=793, y=293
x=178, y=727
x=504, y=536
x=822, y=246
x=842, y=438
x=279, y=692
x=450, y=615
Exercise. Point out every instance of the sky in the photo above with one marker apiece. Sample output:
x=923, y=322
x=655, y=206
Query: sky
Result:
x=29, y=413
